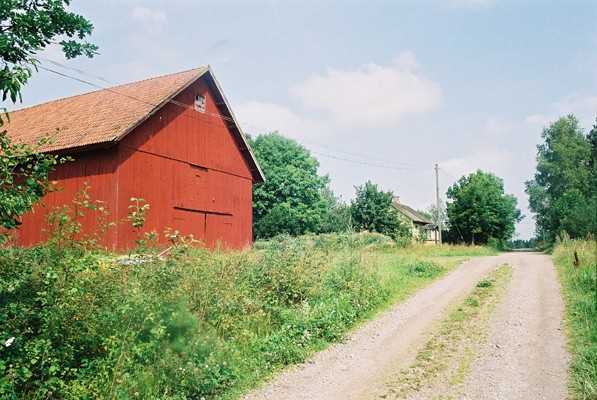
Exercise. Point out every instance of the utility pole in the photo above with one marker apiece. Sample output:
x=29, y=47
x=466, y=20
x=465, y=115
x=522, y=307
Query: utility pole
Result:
x=437, y=204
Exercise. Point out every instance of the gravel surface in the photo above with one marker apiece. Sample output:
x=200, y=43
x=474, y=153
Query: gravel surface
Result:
x=525, y=356
x=357, y=368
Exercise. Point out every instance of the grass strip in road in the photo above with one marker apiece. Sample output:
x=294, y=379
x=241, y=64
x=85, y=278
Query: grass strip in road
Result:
x=443, y=363
x=579, y=282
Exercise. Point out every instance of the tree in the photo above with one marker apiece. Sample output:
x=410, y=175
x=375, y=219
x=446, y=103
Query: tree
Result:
x=24, y=172
x=294, y=199
x=478, y=209
x=562, y=192
x=372, y=210
x=433, y=215
x=27, y=27
x=338, y=217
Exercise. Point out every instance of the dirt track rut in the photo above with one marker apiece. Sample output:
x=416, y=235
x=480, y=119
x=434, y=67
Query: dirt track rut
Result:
x=524, y=358
x=525, y=355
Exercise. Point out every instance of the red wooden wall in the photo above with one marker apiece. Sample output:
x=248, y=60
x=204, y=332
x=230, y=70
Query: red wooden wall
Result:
x=97, y=169
x=184, y=163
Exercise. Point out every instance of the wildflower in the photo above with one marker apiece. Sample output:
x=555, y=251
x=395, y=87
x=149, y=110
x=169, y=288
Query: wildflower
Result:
x=9, y=341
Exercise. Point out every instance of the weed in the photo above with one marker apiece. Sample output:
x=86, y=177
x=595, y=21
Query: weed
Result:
x=77, y=324
x=579, y=284
x=484, y=283
x=424, y=269
x=445, y=359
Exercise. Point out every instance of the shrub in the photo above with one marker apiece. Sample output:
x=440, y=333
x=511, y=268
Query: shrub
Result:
x=579, y=282
x=330, y=241
x=372, y=210
x=195, y=325
x=424, y=269
x=77, y=323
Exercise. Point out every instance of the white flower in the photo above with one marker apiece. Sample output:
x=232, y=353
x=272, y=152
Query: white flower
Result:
x=9, y=341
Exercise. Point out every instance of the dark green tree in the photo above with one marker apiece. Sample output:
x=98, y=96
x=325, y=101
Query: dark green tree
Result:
x=27, y=27
x=562, y=192
x=338, y=217
x=372, y=210
x=478, y=209
x=294, y=199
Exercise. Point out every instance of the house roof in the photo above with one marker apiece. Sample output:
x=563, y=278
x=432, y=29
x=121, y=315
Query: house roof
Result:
x=412, y=214
x=106, y=116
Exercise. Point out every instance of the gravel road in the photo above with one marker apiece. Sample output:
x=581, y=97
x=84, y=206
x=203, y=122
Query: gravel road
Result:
x=524, y=357
x=357, y=367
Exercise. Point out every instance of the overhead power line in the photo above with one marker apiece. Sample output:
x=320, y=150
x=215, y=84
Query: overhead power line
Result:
x=360, y=158
x=371, y=164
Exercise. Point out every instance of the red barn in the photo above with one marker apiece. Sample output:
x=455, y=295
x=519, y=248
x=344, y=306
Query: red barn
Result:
x=171, y=140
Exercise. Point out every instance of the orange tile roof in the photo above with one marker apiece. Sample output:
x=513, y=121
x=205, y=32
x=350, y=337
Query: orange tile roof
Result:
x=96, y=117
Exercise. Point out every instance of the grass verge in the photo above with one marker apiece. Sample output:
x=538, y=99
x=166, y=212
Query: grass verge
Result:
x=76, y=324
x=579, y=283
x=443, y=363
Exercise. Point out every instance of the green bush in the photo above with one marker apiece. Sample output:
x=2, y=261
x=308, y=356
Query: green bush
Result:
x=330, y=241
x=579, y=282
x=197, y=325
x=424, y=269
x=498, y=244
x=372, y=210
x=451, y=250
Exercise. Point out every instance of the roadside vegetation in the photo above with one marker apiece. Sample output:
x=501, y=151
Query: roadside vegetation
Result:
x=576, y=261
x=78, y=323
x=562, y=192
x=479, y=211
x=443, y=363
x=563, y=200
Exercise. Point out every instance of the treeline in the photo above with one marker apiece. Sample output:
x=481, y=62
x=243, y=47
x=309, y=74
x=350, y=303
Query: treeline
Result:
x=296, y=199
x=563, y=192
x=523, y=243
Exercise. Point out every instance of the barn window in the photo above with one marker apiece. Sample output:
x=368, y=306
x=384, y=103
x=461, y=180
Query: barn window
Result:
x=200, y=102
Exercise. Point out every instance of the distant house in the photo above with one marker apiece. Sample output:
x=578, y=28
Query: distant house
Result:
x=422, y=228
x=171, y=140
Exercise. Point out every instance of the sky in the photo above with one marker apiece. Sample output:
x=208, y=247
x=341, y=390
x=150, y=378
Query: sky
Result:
x=377, y=90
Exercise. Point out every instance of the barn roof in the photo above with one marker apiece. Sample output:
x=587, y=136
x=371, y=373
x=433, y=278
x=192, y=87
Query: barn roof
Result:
x=410, y=213
x=106, y=116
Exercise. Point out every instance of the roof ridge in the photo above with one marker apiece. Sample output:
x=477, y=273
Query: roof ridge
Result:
x=410, y=209
x=60, y=99
x=98, y=116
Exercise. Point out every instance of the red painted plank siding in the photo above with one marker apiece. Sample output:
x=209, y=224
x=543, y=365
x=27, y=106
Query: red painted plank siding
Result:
x=96, y=168
x=185, y=164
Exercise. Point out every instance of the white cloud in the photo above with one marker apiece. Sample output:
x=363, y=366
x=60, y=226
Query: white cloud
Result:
x=538, y=120
x=472, y=3
x=261, y=117
x=584, y=107
x=372, y=95
x=495, y=127
x=149, y=16
x=577, y=104
x=509, y=165
x=491, y=160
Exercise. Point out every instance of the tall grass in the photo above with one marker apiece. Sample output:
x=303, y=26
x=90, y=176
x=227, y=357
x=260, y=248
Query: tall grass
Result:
x=454, y=250
x=77, y=324
x=579, y=285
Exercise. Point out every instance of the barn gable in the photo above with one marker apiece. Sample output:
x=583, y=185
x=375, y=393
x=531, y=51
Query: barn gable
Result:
x=197, y=154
